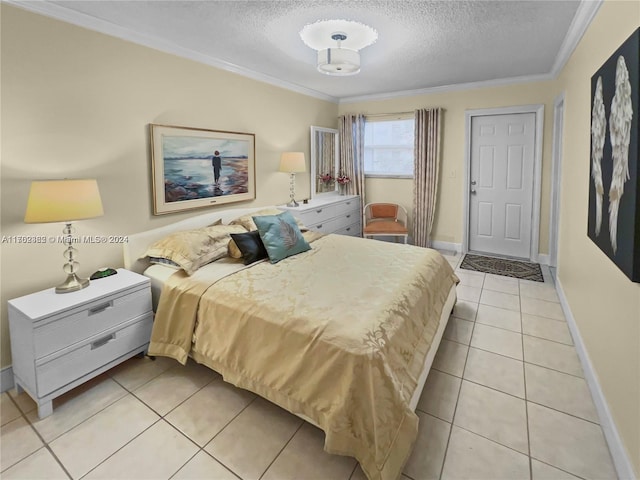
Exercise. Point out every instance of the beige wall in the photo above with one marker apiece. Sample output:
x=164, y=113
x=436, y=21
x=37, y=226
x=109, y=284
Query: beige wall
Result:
x=448, y=223
x=604, y=302
x=76, y=103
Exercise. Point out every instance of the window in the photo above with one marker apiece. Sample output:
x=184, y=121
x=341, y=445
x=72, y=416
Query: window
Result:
x=388, y=148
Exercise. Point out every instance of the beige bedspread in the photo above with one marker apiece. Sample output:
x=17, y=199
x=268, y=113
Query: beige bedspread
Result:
x=338, y=334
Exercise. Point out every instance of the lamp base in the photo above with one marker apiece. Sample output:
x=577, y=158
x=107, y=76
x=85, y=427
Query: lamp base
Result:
x=72, y=284
x=293, y=203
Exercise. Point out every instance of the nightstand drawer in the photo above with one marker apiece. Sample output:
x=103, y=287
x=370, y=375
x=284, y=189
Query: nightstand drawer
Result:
x=348, y=206
x=352, y=230
x=85, y=322
x=101, y=349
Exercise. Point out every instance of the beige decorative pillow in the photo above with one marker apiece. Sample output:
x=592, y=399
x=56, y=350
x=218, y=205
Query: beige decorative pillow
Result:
x=247, y=220
x=191, y=249
x=234, y=251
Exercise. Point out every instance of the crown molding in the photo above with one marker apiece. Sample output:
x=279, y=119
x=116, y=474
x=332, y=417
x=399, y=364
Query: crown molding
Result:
x=92, y=23
x=584, y=16
x=500, y=82
x=581, y=21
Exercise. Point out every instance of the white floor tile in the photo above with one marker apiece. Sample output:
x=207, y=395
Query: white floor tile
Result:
x=76, y=406
x=493, y=415
x=204, y=414
x=158, y=452
x=497, y=340
x=541, y=291
x=469, y=294
x=249, y=444
x=450, y=358
x=458, y=330
x=8, y=410
x=305, y=453
x=502, y=284
x=428, y=452
x=499, y=317
x=495, y=371
x=469, y=278
x=38, y=466
x=542, y=308
x=93, y=441
x=542, y=471
x=470, y=456
x=546, y=328
x=204, y=466
x=560, y=391
x=552, y=355
x=569, y=443
x=24, y=401
x=440, y=395
x=18, y=441
x=135, y=372
x=171, y=388
x=465, y=310
x=500, y=300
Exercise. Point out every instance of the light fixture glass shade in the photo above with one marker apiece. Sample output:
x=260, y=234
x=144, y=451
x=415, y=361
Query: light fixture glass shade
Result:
x=63, y=201
x=338, y=61
x=293, y=162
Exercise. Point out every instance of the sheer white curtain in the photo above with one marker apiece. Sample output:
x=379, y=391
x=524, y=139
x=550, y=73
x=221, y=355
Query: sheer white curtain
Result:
x=426, y=167
x=351, y=128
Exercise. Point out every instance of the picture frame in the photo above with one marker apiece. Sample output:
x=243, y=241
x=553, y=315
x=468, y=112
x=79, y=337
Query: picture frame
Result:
x=614, y=181
x=198, y=167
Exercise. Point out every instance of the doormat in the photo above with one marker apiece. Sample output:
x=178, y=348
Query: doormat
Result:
x=504, y=267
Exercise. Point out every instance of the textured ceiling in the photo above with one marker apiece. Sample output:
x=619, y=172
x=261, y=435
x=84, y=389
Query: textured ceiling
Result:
x=421, y=44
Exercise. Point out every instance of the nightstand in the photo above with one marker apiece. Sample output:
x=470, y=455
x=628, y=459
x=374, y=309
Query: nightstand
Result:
x=59, y=341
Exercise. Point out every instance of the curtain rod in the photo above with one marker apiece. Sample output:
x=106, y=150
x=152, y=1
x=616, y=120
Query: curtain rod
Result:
x=388, y=114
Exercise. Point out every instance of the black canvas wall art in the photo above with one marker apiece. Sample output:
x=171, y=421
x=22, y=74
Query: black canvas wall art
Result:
x=614, y=186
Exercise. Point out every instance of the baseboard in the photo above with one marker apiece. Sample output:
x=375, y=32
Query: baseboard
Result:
x=452, y=247
x=6, y=379
x=543, y=259
x=617, y=449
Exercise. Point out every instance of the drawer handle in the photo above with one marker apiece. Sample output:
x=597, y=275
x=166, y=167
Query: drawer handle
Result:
x=348, y=216
x=319, y=226
x=348, y=203
x=348, y=229
x=319, y=211
x=103, y=341
x=100, y=308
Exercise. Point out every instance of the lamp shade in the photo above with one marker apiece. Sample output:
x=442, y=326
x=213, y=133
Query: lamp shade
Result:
x=63, y=201
x=293, y=162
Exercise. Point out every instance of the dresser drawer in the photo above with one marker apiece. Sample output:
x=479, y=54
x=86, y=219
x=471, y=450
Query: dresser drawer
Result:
x=352, y=230
x=87, y=321
x=317, y=215
x=348, y=206
x=75, y=363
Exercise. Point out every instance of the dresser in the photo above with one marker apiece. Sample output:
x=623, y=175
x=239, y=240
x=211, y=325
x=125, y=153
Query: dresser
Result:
x=341, y=214
x=59, y=341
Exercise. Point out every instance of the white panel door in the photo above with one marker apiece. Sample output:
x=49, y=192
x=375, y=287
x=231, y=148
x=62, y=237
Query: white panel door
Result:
x=501, y=190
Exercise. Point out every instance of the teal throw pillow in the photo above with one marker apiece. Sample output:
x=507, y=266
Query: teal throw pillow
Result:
x=281, y=236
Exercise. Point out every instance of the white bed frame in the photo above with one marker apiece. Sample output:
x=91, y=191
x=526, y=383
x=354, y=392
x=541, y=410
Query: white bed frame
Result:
x=138, y=243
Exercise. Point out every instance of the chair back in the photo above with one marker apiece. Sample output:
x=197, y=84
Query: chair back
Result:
x=384, y=210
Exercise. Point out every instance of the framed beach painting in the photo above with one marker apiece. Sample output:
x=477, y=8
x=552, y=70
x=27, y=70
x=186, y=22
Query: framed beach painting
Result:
x=196, y=167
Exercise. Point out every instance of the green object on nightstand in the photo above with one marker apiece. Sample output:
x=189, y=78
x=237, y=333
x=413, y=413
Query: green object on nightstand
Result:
x=103, y=272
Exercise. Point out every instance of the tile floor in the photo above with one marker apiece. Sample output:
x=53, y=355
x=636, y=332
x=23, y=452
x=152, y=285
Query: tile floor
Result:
x=506, y=399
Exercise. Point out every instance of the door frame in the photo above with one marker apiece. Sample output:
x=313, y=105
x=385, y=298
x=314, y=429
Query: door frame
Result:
x=556, y=178
x=538, y=110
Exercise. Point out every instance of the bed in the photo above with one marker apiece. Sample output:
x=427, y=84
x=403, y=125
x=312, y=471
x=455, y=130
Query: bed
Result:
x=342, y=335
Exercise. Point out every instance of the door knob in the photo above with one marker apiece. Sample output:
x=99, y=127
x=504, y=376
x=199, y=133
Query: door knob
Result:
x=473, y=182
x=473, y=191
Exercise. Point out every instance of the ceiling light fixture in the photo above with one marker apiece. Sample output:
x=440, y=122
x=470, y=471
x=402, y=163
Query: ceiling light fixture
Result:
x=341, y=58
x=338, y=61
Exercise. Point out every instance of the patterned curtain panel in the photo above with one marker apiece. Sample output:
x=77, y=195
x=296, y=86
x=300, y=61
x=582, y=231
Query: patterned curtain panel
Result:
x=426, y=166
x=351, y=128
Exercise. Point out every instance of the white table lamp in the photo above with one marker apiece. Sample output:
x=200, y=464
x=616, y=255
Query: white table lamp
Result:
x=65, y=201
x=292, y=163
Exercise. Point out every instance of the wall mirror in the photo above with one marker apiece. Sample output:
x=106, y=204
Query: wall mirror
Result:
x=324, y=161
